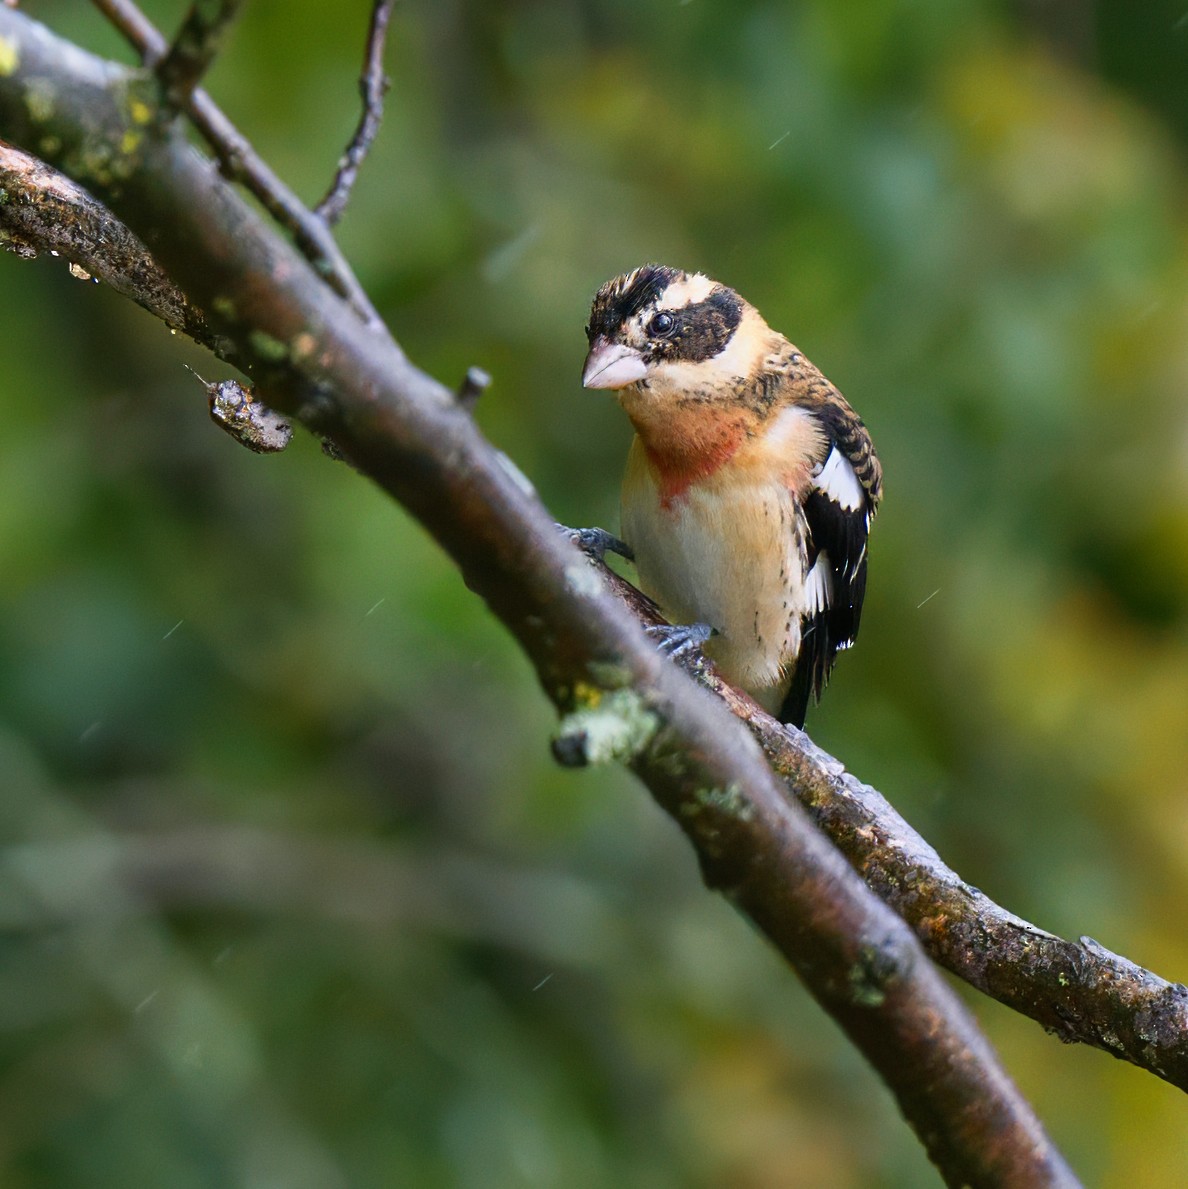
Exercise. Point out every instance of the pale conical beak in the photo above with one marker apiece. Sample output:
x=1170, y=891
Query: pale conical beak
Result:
x=612, y=365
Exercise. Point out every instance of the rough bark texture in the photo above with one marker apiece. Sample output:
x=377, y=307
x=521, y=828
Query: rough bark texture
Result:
x=44, y=211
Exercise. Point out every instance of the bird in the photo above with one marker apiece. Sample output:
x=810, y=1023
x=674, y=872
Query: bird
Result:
x=750, y=484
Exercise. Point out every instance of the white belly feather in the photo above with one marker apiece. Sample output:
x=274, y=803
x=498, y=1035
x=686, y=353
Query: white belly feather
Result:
x=730, y=553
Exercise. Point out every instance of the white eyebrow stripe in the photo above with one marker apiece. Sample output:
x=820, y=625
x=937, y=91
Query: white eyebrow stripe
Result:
x=686, y=292
x=838, y=481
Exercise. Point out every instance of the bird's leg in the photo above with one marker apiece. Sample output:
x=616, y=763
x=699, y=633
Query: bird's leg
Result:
x=597, y=542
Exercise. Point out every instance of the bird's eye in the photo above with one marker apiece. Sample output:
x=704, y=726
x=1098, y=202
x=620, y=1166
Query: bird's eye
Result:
x=662, y=323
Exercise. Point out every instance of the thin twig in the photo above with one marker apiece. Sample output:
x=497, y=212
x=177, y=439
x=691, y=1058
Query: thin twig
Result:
x=373, y=86
x=193, y=50
x=241, y=163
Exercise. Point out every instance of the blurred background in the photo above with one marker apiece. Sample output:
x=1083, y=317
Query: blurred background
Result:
x=291, y=893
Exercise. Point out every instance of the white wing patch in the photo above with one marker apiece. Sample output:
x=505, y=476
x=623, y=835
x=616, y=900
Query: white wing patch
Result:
x=838, y=481
x=818, y=586
x=794, y=433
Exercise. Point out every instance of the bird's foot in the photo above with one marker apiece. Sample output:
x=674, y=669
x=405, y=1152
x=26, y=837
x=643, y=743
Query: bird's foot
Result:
x=597, y=542
x=682, y=643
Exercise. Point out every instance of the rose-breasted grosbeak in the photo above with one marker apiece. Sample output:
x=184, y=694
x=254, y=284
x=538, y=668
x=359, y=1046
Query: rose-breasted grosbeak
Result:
x=750, y=485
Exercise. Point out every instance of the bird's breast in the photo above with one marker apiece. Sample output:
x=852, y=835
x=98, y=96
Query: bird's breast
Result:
x=727, y=548
x=687, y=445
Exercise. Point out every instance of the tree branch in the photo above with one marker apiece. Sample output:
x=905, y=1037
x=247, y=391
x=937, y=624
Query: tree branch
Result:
x=44, y=211
x=373, y=86
x=240, y=163
x=400, y=427
x=192, y=51
x=1079, y=991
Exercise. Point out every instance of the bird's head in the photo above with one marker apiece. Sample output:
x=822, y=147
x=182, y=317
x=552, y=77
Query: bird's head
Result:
x=662, y=330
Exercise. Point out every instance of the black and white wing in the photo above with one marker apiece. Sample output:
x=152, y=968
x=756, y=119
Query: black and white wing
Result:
x=838, y=507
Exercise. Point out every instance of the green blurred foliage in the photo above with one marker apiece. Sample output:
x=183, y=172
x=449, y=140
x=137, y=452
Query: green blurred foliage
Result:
x=291, y=894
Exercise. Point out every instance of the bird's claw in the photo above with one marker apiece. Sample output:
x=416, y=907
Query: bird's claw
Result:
x=597, y=542
x=682, y=642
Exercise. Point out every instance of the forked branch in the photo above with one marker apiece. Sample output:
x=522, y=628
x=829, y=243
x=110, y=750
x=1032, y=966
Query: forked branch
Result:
x=241, y=163
x=192, y=51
